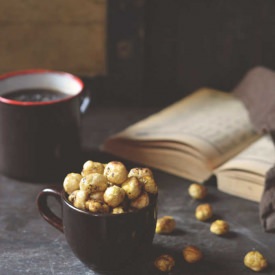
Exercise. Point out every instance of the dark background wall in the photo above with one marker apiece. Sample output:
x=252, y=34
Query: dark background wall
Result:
x=206, y=43
x=140, y=52
x=160, y=50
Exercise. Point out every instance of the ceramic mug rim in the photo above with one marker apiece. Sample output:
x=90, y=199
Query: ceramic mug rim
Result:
x=38, y=72
x=152, y=203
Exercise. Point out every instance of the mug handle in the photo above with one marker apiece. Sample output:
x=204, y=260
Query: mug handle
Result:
x=85, y=101
x=44, y=209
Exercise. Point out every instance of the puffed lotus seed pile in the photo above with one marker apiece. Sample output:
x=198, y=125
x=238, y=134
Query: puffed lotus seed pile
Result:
x=219, y=227
x=255, y=261
x=110, y=188
x=165, y=225
x=164, y=263
x=192, y=254
x=197, y=191
x=204, y=212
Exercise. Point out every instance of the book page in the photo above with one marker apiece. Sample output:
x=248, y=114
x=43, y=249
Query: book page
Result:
x=258, y=158
x=213, y=122
x=241, y=188
x=238, y=175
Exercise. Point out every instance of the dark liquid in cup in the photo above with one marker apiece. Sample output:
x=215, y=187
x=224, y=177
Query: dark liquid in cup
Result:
x=35, y=95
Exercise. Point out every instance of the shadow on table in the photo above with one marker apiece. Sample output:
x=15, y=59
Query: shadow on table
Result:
x=144, y=264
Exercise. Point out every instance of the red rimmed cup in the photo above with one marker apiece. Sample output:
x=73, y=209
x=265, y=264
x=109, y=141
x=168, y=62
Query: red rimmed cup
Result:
x=101, y=241
x=39, y=140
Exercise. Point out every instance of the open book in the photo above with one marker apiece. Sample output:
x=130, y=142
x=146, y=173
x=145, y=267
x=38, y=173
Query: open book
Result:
x=198, y=136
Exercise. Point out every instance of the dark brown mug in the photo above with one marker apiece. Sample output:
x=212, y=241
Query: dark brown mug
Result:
x=101, y=241
x=39, y=140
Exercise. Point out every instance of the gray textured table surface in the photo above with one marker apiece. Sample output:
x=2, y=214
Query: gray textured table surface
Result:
x=29, y=245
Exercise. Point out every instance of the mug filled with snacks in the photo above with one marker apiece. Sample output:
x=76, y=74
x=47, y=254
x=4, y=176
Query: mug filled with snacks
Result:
x=108, y=213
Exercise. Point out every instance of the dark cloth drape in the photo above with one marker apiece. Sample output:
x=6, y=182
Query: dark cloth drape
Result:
x=257, y=92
